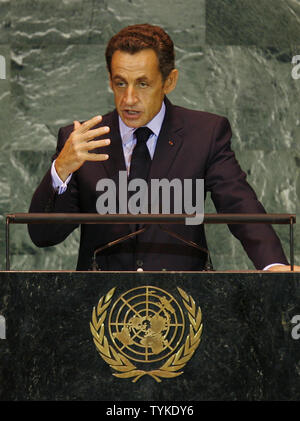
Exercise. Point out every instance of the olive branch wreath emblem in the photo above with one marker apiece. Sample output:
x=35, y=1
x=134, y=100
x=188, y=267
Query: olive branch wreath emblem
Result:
x=123, y=367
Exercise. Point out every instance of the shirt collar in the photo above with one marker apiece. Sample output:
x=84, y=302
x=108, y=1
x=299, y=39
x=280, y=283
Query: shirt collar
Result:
x=155, y=125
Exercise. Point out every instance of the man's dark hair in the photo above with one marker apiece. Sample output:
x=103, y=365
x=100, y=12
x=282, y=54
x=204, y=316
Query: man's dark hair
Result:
x=135, y=38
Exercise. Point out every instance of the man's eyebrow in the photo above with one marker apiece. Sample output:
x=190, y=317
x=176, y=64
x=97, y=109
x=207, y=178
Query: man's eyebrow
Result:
x=139, y=79
x=142, y=78
x=117, y=77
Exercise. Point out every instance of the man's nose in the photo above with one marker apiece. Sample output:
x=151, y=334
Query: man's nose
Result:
x=130, y=97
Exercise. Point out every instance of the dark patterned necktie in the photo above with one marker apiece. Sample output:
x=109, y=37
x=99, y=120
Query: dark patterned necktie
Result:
x=140, y=160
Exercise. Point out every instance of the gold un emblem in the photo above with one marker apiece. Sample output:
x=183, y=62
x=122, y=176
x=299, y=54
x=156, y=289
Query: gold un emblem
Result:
x=147, y=329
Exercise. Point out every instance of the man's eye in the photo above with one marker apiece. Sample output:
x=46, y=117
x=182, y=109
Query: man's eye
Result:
x=120, y=84
x=143, y=84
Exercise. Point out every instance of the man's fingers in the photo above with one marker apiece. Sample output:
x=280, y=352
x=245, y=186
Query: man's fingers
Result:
x=91, y=134
x=95, y=156
x=84, y=127
x=93, y=144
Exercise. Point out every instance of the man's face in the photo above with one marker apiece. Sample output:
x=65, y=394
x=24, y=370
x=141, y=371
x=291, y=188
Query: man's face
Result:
x=138, y=87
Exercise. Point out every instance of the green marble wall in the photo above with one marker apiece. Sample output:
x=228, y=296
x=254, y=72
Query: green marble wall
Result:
x=234, y=59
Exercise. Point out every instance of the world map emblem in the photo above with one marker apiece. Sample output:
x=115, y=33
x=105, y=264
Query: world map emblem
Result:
x=145, y=332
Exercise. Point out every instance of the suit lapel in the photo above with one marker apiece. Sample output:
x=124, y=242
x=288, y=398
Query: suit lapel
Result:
x=168, y=144
x=116, y=161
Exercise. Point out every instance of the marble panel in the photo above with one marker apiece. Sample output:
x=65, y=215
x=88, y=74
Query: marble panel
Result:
x=51, y=87
x=253, y=22
x=255, y=90
x=90, y=21
x=5, y=23
x=5, y=96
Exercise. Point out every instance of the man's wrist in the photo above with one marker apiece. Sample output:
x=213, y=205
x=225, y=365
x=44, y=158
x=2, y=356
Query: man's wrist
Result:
x=61, y=173
x=57, y=183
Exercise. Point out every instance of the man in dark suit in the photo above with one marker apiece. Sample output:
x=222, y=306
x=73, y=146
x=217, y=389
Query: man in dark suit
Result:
x=183, y=144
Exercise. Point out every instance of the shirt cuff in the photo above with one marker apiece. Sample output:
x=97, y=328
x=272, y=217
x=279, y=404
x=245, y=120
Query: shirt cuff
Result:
x=273, y=264
x=58, y=185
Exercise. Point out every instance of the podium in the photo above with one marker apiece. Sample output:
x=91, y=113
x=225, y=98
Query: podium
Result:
x=246, y=351
x=149, y=336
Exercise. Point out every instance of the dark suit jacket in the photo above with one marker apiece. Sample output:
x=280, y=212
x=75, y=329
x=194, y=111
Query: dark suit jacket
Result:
x=199, y=148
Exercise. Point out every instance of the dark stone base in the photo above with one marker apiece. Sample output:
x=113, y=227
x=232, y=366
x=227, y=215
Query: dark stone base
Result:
x=246, y=350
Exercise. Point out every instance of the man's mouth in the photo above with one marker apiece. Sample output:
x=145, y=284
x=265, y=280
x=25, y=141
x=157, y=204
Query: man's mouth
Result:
x=132, y=113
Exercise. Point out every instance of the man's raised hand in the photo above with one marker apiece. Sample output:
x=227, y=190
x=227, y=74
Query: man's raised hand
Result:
x=78, y=146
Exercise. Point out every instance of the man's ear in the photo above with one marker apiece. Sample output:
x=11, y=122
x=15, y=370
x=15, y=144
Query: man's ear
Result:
x=171, y=81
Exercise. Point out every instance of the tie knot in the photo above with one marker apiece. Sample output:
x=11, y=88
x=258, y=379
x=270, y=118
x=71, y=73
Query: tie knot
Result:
x=142, y=134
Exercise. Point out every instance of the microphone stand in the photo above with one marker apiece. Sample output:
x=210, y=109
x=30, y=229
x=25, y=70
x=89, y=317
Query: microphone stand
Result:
x=94, y=266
